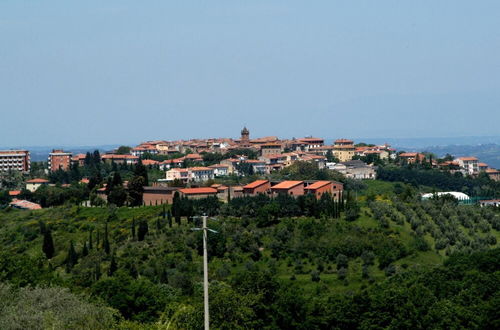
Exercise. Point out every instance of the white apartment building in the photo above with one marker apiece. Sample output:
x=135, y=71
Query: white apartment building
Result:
x=468, y=165
x=15, y=160
x=192, y=174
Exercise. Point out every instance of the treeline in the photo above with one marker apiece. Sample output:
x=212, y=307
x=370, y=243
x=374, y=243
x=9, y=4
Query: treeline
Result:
x=481, y=186
x=266, y=209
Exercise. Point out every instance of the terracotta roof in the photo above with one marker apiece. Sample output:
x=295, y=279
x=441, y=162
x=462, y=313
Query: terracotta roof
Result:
x=193, y=156
x=467, y=158
x=113, y=156
x=344, y=141
x=14, y=192
x=148, y=162
x=78, y=157
x=84, y=180
x=195, y=191
x=176, y=169
x=409, y=154
x=37, y=181
x=482, y=165
x=287, y=184
x=254, y=161
x=23, y=204
x=311, y=140
x=318, y=184
x=255, y=184
x=200, y=169
x=218, y=166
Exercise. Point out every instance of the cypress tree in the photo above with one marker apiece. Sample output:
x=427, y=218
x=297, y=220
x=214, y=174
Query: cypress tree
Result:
x=158, y=225
x=90, y=240
x=176, y=207
x=141, y=170
x=48, y=244
x=132, y=228
x=106, y=240
x=169, y=217
x=85, y=250
x=97, y=271
x=72, y=258
x=98, y=240
x=143, y=230
x=113, y=266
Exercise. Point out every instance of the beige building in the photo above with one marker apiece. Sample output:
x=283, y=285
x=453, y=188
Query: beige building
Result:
x=344, y=150
x=270, y=149
x=34, y=184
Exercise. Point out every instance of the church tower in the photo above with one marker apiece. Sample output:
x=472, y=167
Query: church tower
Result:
x=245, y=137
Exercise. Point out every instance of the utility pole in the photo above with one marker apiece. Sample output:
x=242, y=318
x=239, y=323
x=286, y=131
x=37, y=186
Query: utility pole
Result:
x=205, y=271
x=205, y=230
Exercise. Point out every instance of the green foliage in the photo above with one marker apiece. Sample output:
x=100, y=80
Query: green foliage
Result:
x=51, y=308
x=294, y=271
x=123, y=150
x=48, y=243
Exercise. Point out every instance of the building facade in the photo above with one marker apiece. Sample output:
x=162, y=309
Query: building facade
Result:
x=59, y=160
x=15, y=160
x=343, y=150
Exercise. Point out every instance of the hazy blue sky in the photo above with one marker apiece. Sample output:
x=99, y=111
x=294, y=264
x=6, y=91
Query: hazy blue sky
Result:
x=98, y=72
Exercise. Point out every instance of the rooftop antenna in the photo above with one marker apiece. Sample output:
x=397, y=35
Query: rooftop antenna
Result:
x=205, y=265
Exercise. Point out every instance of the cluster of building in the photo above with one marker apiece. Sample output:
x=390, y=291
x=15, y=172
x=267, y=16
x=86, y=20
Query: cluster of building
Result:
x=158, y=195
x=274, y=155
x=465, y=165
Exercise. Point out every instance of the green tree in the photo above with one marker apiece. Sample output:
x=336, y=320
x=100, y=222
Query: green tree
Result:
x=72, y=258
x=142, y=230
x=123, y=150
x=176, y=207
x=48, y=244
x=141, y=170
x=136, y=190
x=105, y=242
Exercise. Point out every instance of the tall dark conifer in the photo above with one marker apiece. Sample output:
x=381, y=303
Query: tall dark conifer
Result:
x=143, y=230
x=106, y=240
x=113, y=266
x=132, y=228
x=90, y=240
x=48, y=244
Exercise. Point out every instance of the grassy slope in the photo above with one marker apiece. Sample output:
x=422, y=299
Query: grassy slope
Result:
x=74, y=223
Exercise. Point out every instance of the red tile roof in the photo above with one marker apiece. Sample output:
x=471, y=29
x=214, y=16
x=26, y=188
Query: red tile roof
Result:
x=409, y=154
x=23, y=204
x=468, y=158
x=148, y=162
x=113, y=156
x=287, y=184
x=318, y=184
x=14, y=192
x=198, y=191
x=37, y=181
x=255, y=184
x=200, y=169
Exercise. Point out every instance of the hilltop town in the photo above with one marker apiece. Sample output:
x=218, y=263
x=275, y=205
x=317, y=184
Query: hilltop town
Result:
x=199, y=168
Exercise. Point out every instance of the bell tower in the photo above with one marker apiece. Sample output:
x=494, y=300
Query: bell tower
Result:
x=245, y=137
